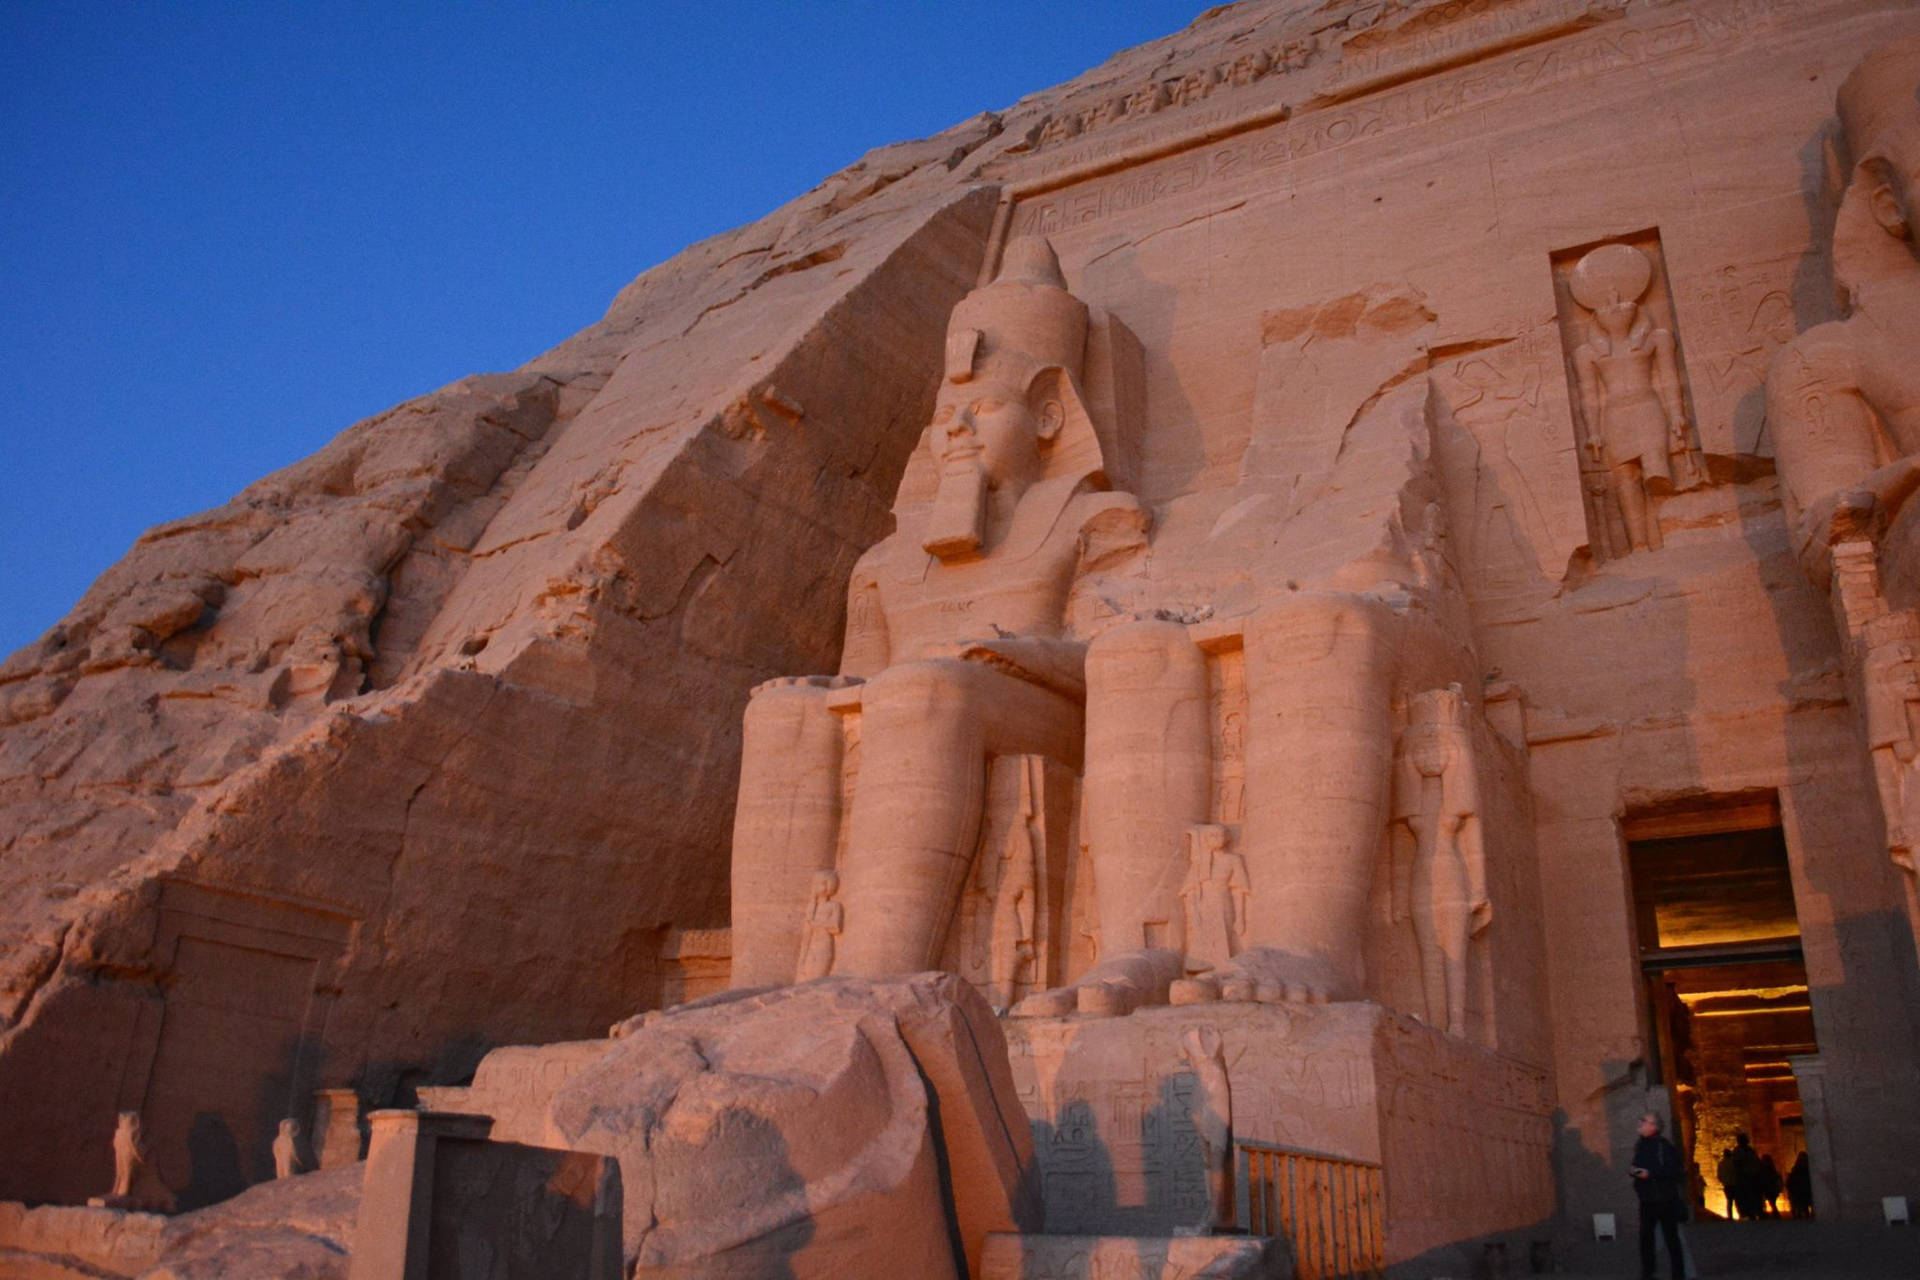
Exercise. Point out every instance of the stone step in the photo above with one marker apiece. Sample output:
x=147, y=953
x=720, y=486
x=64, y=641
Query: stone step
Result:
x=1010, y=1256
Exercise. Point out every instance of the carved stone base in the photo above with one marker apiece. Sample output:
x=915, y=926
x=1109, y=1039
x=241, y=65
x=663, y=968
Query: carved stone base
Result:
x=1034, y=1257
x=1462, y=1133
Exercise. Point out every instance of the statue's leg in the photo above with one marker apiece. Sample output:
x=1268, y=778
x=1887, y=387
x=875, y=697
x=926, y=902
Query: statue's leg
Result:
x=1642, y=530
x=1429, y=930
x=784, y=826
x=1147, y=776
x=926, y=731
x=1319, y=752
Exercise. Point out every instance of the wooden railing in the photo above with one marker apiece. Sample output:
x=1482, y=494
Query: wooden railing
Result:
x=1331, y=1210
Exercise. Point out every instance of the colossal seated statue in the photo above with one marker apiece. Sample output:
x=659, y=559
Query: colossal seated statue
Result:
x=958, y=648
x=1843, y=402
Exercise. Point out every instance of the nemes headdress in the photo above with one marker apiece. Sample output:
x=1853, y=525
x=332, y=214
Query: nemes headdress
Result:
x=1880, y=101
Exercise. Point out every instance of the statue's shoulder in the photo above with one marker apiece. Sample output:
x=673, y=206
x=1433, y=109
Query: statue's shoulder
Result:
x=1091, y=506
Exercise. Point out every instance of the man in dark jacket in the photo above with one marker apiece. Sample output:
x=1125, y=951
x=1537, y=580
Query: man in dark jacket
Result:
x=1657, y=1174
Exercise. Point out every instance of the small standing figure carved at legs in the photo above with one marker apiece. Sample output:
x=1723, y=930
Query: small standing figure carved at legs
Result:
x=1214, y=895
x=1213, y=1119
x=1439, y=856
x=825, y=918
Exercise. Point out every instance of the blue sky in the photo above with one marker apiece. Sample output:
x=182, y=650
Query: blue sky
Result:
x=228, y=231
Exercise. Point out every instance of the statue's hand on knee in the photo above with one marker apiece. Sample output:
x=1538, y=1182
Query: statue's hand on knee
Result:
x=806, y=682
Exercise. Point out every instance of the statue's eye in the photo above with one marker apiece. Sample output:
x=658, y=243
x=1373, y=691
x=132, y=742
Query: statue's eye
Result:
x=943, y=414
x=988, y=406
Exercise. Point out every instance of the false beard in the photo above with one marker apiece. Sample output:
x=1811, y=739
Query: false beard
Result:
x=958, y=522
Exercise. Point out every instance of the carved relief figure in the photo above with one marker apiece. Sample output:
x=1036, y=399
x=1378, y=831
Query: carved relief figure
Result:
x=1013, y=945
x=824, y=922
x=1630, y=390
x=957, y=638
x=1439, y=860
x=286, y=1149
x=1214, y=896
x=1213, y=1120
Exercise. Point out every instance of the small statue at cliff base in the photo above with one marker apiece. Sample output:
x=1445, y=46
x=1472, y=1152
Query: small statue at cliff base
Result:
x=1843, y=399
x=824, y=921
x=1439, y=858
x=1213, y=1120
x=1630, y=390
x=1214, y=896
x=135, y=1184
x=286, y=1149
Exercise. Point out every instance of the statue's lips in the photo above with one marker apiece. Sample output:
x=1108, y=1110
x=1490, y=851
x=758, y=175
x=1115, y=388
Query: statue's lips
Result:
x=962, y=453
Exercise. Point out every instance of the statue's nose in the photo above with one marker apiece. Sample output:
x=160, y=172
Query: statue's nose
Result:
x=961, y=428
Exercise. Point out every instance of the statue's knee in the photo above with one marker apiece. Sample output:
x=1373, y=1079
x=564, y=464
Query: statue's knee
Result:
x=786, y=714
x=1324, y=624
x=1142, y=655
x=914, y=692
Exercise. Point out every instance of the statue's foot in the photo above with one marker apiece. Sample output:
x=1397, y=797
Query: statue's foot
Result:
x=1260, y=976
x=1111, y=989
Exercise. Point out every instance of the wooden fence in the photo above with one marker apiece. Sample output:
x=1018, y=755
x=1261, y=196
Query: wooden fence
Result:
x=1331, y=1210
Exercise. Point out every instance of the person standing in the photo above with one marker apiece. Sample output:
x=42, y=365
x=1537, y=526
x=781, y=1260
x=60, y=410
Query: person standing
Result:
x=1657, y=1173
x=1800, y=1187
x=1748, y=1177
x=1770, y=1185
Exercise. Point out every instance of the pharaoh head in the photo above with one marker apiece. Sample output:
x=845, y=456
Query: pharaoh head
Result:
x=1880, y=111
x=1014, y=350
x=825, y=885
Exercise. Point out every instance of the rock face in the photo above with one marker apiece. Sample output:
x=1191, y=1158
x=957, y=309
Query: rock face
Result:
x=842, y=1127
x=297, y=1228
x=1290, y=516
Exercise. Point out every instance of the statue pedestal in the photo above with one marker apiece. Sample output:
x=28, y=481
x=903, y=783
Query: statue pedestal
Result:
x=1030, y=1257
x=1461, y=1132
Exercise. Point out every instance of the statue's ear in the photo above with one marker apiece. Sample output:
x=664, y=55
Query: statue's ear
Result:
x=1055, y=403
x=1884, y=203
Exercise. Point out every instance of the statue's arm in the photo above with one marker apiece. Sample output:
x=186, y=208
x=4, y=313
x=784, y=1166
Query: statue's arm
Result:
x=1824, y=440
x=866, y=651
x=1666, y=374
x=1587, y=377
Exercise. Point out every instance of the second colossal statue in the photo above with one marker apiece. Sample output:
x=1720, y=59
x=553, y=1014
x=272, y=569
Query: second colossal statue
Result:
x=1843, y=399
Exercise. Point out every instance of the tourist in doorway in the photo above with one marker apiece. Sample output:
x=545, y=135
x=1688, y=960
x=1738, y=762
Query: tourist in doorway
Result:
x=1657, y=1172
x=1800, y=1187
x=1728, y=1171
x=1749, y=1177
x=1770, y=1184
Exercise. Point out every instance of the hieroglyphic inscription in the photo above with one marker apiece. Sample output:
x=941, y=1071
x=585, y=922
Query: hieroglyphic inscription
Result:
x=1227, y=717
x=1189, y=88
x=1613, y=48
x=1465, y=28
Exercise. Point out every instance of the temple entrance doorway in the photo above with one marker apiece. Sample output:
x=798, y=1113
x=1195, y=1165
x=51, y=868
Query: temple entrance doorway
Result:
x=1726, y=987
